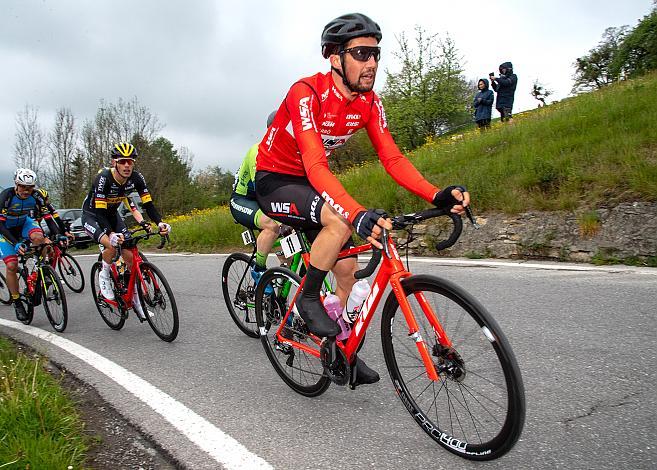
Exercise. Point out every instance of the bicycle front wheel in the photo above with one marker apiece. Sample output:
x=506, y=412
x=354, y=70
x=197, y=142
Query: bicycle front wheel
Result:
x=239, y=289
x=300, y=369
x=53, y=298
x=71, y=273
x=160, y=305
x=26, y=297
x=5, y=296
x=476, y=408
x=110, y=314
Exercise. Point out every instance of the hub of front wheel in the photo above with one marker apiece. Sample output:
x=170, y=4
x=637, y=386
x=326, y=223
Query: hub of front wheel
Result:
x=449, y=362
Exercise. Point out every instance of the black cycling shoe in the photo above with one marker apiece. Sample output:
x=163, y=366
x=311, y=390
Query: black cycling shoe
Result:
x=364, y=375
x=19, y=308
x=316, y=318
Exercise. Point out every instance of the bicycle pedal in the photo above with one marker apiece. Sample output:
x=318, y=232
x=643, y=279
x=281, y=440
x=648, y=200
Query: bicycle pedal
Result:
x=284, y=348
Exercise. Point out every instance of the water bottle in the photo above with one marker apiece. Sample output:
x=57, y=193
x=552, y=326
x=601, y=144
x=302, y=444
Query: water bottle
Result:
x=334, y=310
x=355, y=301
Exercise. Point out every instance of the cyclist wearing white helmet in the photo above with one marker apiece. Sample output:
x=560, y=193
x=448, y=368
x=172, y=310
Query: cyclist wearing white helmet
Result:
x=19, y=207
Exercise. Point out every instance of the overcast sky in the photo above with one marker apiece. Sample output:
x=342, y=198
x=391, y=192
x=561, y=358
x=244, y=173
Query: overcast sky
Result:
x=213, y=70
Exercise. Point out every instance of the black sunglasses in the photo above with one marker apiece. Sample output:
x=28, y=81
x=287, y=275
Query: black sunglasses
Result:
x=363, y=53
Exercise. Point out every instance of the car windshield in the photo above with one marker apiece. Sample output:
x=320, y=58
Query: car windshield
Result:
x=70, y=214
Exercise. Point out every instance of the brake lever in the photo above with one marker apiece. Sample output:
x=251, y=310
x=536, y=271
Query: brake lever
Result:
x=473, y=221
x=163, y=241
x=384, y=242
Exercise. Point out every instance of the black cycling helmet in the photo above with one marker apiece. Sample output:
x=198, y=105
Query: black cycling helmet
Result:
x=271, y=117
x=345, y=28
x=124, y=150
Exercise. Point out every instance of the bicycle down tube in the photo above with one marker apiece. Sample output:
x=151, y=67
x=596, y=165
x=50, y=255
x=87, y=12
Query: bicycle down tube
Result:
x=391, y=270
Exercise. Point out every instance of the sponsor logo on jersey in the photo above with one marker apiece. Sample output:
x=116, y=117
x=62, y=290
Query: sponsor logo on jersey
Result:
x=383, y=122
x=101, y=182
x=334, y=141
x=270, y=137
x=325, y=95
x=336, y=93
x=335, y=205
x=328, y=124
x=304, y=112
x=352, y=116
x=352, y=124
x=284, y=208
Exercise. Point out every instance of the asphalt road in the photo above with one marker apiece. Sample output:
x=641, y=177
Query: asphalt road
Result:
x=586, y=342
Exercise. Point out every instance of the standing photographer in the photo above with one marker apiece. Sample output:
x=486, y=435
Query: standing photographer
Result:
x=505, y=86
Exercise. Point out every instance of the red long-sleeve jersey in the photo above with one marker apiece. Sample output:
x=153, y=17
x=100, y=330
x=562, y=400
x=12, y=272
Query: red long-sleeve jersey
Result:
x=313, y=120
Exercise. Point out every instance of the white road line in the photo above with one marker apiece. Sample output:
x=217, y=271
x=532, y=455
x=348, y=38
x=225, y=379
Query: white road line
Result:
x=221, y=447
x=552, y=266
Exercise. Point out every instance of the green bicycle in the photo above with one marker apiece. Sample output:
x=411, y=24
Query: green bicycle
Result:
x=239, y=288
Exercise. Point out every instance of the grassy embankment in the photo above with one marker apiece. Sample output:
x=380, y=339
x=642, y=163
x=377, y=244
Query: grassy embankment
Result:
x=39, y=426
x=594, y=150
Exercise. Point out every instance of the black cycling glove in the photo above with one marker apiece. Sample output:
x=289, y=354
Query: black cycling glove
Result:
x=445, y=200
x=366, y=220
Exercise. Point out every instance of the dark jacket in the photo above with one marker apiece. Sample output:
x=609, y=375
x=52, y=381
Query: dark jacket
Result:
x=483, y=102
x=505, y=86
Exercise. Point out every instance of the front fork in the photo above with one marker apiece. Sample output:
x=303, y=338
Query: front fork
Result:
x=413, y=328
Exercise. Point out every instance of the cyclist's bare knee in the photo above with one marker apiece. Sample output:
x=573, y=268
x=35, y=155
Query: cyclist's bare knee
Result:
x=12, y=267
x=335, y=223
x=267, y=223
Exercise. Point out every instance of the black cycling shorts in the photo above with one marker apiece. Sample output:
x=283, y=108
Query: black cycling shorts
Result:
x=293, y=201
x=289, y=199
x=245, y=211
x=95, y=231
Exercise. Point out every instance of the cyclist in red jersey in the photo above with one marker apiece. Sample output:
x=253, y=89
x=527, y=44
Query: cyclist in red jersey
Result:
x=294, y=184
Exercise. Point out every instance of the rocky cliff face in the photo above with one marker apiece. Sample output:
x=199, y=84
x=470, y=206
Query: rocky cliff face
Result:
x=627, y=231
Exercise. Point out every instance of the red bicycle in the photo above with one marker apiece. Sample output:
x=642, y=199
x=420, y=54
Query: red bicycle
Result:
x=155, y=295
x=69, y=269
x=450, y=363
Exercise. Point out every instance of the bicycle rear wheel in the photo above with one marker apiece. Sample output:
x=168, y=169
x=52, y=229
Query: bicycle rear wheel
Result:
x=239, y=289
x=53, y=298
x=160, y=305
x=71, y=273
x=110, y=314
x=300, y=370
x=476, y=409
x=5, y=296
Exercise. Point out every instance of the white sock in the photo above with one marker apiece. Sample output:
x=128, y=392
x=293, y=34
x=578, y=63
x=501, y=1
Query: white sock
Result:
x=106, y=266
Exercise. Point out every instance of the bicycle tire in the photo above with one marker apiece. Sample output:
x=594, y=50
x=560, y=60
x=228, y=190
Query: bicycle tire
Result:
x=487, y=384
x=155, y=304
x=26, y=297
x=238, y=289
x=53, y=298
x=5, y=296
x=306, y=377
x=111, y=315
x=71, y=273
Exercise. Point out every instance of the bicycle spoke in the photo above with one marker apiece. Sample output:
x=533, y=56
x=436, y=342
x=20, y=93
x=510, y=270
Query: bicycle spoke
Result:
x=301, y=370
x=471, y=411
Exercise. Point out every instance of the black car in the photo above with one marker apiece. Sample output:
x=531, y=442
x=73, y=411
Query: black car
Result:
x=72, y=218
